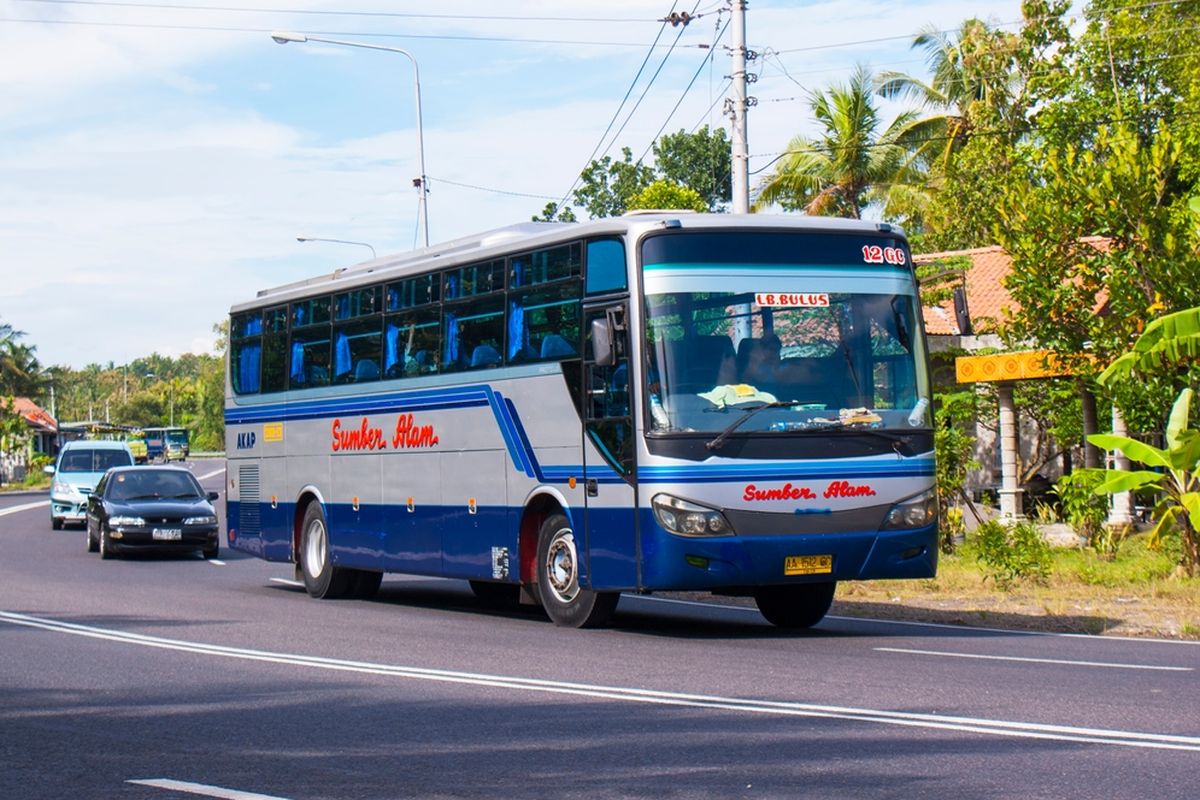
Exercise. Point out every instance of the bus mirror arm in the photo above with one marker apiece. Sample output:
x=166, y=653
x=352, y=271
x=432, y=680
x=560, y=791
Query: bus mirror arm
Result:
x=603, y=351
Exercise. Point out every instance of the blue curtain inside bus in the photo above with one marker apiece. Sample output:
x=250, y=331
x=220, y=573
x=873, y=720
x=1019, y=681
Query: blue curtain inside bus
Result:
x=451, y=352
x=297, y=372
x=518, y=337
x=341, y=356
x=391, y=349
x=248, y=363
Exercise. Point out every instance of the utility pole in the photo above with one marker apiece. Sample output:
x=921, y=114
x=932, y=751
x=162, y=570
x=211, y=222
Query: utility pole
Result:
x=737, y=106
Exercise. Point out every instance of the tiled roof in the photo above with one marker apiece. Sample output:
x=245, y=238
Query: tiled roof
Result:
x=34, y=414
x=988, y=301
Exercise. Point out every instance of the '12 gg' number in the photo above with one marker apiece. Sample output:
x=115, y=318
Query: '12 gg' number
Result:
x=874, y=254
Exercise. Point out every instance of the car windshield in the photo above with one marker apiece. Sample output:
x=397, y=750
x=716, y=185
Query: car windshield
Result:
x=783, y=346
x=153, y=485
x=93, y=460
x=177, y=437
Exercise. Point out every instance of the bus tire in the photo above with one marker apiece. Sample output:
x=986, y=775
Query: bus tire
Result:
x=566, y=602
x=321, y=578
x=796, y=605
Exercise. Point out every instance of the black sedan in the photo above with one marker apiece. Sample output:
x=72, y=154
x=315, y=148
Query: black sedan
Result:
x=151, y=508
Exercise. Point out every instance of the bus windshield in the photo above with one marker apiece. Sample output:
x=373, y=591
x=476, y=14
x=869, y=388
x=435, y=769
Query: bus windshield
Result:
x=768, y=350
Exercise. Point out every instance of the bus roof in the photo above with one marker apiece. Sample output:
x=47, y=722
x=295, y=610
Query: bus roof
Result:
x=535, y=235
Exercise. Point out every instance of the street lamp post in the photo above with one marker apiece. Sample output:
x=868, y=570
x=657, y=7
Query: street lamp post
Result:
x=283, y=37
x=336, y=241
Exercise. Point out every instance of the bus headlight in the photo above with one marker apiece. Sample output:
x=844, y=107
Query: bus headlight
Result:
x=688, y=519
x=915, y=512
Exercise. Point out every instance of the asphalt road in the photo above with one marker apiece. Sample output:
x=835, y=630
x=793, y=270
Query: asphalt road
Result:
x=173, y=677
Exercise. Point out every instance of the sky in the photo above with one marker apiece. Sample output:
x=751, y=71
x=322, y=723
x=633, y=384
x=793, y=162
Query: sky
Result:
x=158, y=160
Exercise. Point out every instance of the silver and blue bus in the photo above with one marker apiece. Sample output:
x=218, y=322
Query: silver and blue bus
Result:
x=560, y=413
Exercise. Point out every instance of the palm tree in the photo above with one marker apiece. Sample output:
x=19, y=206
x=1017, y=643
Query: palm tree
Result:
x=849, y=166
x=19, y=368
x=969, y=74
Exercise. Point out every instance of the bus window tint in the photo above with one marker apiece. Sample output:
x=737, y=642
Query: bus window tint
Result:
x=309, y=358
x=274, y=362
x=310, y=312
x=544, y=325
x=414, y=292
x=544, y=266
x=245, y=333
x=412, y=344
x=605, y=266
x=358, y=303
x=357, y=348
x=245, y=360
x=474, y=334
x=474, y=279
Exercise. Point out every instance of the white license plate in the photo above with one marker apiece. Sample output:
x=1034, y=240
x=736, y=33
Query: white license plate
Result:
x=167, y=534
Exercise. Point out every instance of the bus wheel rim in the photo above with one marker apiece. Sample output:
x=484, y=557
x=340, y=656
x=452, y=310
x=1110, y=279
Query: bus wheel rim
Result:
x=562, y=566
x=314, y=549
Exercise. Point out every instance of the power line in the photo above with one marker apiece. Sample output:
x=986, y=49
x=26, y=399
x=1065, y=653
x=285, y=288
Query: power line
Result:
x=707, y=59
x=325, y=12
x=661, y=29
x=494, y=191
x=355, y=34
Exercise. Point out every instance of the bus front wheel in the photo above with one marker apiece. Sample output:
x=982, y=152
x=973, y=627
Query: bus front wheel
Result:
x=566, y=602
x=797, y=605
x=321, y=578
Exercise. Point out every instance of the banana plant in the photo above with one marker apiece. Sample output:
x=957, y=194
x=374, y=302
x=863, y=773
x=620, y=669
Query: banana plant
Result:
x=1173, y=470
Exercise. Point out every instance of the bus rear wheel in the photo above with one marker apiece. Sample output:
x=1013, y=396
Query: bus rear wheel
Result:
x=566, y=602
x=797, y=605
x=321, y=578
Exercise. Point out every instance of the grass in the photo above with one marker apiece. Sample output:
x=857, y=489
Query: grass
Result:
x=1139, y=592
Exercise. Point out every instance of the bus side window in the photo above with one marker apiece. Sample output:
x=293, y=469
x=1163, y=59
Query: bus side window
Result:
x=605, y=266
x=474, y=334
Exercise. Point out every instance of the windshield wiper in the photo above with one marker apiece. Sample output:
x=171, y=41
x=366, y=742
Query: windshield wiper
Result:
x=189, y=495
x=144, y=497
x=733, y=426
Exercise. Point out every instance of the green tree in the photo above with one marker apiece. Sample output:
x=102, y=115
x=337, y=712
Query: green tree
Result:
x=663, y=194
x=700, y=161
x=854, y=162
x=552, y=213
x=607, y=185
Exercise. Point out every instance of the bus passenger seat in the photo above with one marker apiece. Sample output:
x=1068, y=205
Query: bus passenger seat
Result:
x=485, y=356
x=556, y=346
x=366, y=371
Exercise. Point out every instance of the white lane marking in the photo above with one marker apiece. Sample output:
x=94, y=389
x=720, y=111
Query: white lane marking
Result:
x=216, y=562
x=1028, y=730
x=17, y=509
x=917, y=624
x=212, y=474
x=287, y=582
x=202, y=789
x=1027, y=660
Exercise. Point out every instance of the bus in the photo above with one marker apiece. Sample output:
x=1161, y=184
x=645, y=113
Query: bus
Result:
x=167, y=444
x=560, y=413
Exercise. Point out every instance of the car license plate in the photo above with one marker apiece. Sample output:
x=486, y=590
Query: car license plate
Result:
x=167, y=534
x=807, y=565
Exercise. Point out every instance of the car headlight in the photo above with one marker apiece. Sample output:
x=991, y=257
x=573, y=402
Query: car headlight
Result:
x=915, y=512
x=208, y=519
x=127, y=522
x=688, y=519
x=62, y=487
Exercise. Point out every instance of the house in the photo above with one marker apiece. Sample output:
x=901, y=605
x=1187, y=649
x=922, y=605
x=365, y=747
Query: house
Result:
x=40, y=436
x=969, y=321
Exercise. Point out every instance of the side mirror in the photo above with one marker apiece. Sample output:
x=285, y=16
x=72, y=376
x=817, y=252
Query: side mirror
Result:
x=604, y=353
x=214, y=496
x=48, y=469
x=93, y=498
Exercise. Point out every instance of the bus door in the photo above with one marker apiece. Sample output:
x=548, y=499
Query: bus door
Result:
x=610, y=529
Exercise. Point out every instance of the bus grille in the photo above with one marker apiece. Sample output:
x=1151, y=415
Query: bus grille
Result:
x=249, y=513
